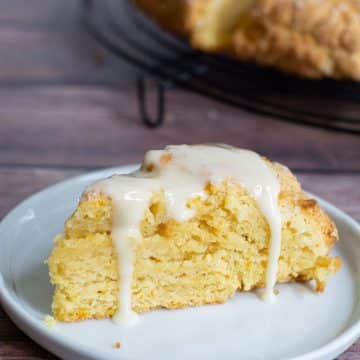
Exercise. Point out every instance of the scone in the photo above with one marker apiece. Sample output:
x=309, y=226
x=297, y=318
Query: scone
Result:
x=306, y=37
x=195, y=225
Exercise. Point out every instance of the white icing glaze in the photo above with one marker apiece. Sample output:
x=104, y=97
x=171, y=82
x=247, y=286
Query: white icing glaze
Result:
x=181, y=172
x=130, y=197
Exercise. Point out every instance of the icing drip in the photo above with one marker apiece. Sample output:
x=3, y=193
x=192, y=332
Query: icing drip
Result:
x=182, y=172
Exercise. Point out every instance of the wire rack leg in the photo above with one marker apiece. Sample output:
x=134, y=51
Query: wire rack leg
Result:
x=158, y=119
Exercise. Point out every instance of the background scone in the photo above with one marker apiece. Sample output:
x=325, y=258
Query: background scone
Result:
x=221, y=249
x=307, y=37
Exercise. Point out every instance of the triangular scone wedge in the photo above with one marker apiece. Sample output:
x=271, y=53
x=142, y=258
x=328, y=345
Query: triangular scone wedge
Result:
x=222, y=249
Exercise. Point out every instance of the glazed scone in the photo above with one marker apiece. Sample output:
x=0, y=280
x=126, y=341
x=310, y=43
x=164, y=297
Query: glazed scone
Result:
x=305, y=37
x=223, y=247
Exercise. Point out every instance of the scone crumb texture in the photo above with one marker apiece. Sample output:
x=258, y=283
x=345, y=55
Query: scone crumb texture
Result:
x=50, y=321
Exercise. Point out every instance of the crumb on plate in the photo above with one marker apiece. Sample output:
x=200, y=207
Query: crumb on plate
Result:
x=117, y=345
x=49, y=321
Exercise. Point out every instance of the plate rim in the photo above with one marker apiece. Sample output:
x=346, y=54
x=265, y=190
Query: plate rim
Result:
x=50, y=341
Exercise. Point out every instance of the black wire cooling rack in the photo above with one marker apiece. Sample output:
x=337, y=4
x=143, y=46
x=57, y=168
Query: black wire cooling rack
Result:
x=121, y=28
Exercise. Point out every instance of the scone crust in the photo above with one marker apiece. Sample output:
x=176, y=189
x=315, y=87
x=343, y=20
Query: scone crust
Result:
x=305, y=37
x=83, y=264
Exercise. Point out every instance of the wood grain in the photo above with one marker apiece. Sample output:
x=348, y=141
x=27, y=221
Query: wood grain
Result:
x=45, y=43
x=98, y=127
x=62, y=53
x=38, y=12
x=352, y=353
x=65, y=109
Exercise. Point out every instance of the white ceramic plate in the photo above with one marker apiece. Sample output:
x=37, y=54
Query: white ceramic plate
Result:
x=300, y=325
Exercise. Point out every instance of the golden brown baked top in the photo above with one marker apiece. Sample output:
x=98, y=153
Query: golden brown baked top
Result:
x=222, y=249
x=308, y=37
x=313, y=38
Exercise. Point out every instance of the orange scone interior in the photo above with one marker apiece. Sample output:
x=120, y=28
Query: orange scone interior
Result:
x=222, y=248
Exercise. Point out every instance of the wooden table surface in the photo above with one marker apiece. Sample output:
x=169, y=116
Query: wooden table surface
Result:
x=63, y=112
